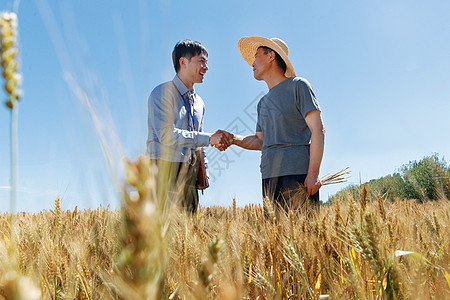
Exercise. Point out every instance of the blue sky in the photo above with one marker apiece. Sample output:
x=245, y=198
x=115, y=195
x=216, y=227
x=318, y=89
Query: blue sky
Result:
x=380, y=71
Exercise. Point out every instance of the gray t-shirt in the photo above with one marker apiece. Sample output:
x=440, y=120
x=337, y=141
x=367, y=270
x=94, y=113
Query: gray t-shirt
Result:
x=281, y=119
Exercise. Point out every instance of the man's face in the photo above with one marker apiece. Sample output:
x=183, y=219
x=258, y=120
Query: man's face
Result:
x=260, y=64
x=196, y=68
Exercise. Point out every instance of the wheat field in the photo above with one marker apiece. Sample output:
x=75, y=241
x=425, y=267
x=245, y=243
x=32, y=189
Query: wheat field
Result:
x=356, y=248
x=366, y=248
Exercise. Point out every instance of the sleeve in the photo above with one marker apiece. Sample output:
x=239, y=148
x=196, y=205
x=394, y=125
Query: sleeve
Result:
x=161, y=115
x=306, y=100
x=258, y=125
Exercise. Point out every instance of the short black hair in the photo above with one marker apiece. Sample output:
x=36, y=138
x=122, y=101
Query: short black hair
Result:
x=188, y=49
x=280, y=62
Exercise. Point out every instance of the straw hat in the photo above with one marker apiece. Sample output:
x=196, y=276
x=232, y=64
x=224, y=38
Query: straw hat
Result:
x=249, y=45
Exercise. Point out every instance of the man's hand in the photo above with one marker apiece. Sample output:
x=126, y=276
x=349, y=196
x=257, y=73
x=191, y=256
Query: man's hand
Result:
x=229, y=140
x=312, y=184
x=221, y=140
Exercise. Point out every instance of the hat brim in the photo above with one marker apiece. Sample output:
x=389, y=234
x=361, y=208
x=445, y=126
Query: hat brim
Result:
x=249, y=45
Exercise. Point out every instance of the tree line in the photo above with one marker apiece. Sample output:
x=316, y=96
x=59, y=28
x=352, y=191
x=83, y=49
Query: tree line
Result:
x=424, y=180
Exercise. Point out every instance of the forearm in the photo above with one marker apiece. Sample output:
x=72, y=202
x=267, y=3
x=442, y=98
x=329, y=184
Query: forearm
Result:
x=251, y=142
x=182, y=138
x=316, y=152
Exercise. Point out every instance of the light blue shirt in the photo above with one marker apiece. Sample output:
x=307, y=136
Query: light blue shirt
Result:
x=170, y=133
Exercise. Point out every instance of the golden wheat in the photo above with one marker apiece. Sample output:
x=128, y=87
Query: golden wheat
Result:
x=237, y=253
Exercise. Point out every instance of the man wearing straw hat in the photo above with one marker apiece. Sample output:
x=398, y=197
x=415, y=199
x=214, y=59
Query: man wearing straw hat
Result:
x=175, y=121
x=289, y=129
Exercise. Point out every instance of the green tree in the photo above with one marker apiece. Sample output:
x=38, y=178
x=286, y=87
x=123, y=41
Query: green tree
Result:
x=427, y=179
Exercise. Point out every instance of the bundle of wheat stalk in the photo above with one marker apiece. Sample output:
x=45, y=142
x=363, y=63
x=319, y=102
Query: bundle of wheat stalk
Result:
x=338, y=177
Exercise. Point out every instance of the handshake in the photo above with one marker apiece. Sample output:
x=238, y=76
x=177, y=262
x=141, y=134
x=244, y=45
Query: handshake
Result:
x=221, y=140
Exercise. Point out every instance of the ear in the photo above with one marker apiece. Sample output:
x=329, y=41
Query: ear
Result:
x=182, y=61
x=272, y=55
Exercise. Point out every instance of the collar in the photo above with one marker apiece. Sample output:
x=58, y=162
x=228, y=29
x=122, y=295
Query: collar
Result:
x=181, y=86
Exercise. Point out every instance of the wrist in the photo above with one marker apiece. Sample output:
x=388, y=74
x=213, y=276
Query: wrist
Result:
x=313, y=173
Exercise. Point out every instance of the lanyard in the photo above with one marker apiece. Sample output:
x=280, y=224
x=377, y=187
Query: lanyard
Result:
x=190, y=113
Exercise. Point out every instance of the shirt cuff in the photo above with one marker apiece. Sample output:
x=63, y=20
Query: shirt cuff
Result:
x=203, y=139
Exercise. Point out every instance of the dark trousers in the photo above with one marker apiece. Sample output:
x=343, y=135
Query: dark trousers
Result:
x=289, y=193
x=181, y=181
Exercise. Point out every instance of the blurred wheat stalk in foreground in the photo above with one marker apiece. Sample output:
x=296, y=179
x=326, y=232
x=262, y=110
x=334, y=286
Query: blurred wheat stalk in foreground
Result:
x=9, y=51
x=9, y=64
x=14, y=284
